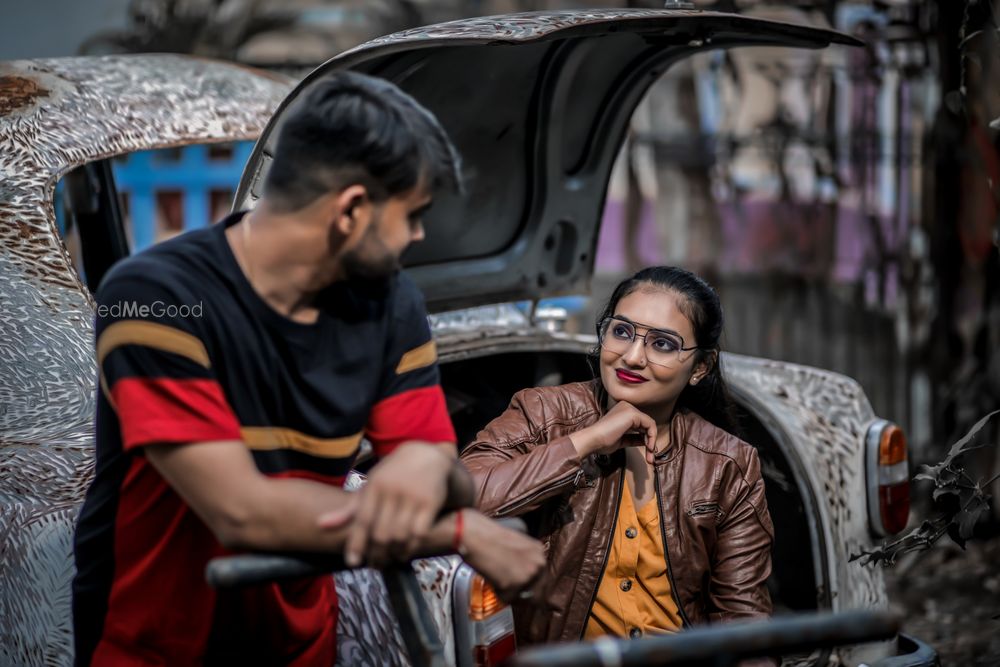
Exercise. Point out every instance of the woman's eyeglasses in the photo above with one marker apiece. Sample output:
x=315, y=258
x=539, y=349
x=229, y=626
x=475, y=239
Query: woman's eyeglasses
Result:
x=662, y=348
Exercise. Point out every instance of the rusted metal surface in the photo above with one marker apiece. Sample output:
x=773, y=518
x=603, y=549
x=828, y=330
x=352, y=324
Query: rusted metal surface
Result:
x=819, y=419
x=530, y=26
x=367, y=632
x=18, y=92
x=55, y=115
x=515, y=27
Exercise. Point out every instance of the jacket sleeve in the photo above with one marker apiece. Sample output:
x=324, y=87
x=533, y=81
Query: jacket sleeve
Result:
x=742, y=562
x=515, y=466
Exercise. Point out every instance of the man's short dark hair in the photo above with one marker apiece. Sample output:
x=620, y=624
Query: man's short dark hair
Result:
x=351, y=128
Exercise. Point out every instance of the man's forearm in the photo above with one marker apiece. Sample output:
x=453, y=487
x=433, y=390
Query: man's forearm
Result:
x=282, y=515
x=247, y=510
x=288, y=514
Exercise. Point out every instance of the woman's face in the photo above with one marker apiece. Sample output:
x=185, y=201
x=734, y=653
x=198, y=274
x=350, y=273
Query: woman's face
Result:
x=627, y=371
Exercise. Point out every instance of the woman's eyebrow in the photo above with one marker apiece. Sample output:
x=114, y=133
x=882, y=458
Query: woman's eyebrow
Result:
x=647, y=327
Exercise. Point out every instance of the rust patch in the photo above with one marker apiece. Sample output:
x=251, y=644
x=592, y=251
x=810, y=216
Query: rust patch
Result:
x=17, y=92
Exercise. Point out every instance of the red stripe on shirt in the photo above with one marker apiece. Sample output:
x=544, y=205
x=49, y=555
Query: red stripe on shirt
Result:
x=161, y=549
x=154, y=532
x=152, y=410
x=417, y=414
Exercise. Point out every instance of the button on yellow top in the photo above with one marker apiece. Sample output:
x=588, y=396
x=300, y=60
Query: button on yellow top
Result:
x=634, y=595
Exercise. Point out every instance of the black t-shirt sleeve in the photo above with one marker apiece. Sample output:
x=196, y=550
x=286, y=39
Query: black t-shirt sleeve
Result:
x=154, y=364
x=411, y=404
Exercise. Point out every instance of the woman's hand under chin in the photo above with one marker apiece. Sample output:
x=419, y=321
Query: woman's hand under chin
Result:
x=624, y=425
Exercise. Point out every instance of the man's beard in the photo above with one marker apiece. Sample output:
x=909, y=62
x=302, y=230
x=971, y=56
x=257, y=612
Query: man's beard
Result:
x=358, y=268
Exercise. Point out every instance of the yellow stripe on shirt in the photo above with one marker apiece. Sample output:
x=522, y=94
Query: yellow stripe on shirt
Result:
x=148, y=334
x=418, y=357
x=267, y=438
x=151, y=334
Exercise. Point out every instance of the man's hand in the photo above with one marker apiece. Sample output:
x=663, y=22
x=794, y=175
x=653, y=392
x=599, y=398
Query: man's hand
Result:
x=623, y=426
x=395, y=510
x=510, y=560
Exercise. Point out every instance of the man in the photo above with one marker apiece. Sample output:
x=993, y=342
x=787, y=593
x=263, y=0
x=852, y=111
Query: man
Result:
x=240, y=366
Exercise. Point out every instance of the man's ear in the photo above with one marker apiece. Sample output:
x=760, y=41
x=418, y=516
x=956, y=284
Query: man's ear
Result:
x=704, y=367
x=351, y=209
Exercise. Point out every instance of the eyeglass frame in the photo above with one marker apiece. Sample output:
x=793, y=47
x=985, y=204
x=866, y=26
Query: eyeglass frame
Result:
x=636, y=334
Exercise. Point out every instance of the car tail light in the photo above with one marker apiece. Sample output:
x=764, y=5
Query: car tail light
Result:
x=888, y=478
x=484, y=625
x=483, y=600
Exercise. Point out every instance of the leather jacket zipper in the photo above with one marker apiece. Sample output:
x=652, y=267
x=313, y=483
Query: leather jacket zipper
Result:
x=607, y=552
x=574, y=479
x=666, y=554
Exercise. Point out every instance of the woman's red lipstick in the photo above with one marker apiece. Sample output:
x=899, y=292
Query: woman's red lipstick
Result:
x=626, y=376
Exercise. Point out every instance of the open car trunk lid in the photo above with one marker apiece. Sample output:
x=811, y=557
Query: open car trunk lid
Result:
x=538, y=104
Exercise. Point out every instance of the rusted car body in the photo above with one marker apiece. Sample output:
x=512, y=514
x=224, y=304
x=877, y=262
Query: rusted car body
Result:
x=527, y=228
x=57, y=115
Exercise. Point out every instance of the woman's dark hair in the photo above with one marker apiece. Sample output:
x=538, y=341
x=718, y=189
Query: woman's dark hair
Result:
x=709, y=398
x=350, y=128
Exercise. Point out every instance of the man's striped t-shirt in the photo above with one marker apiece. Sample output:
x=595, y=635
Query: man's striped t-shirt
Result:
x=188, y=353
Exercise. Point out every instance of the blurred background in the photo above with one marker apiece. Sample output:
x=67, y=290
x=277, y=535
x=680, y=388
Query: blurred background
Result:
x=844, y=202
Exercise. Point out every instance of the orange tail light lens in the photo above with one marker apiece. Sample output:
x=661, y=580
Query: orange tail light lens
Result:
x=491, y=629
x=888, y=478
x=892, y=446
x=483, y=600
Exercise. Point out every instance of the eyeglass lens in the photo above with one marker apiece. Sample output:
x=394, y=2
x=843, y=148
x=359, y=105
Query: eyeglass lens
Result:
x=662, y=348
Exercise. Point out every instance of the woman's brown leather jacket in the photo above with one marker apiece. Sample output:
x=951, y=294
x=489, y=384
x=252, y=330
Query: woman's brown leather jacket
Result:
x=717, y=532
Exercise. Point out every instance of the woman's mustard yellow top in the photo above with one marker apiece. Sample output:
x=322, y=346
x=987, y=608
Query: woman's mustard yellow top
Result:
x=634, y=596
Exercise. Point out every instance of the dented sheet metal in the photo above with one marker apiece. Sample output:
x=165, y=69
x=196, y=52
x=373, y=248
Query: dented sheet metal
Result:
x=56, y=115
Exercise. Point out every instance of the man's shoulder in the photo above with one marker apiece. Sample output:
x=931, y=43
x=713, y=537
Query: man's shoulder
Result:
x=175, y=266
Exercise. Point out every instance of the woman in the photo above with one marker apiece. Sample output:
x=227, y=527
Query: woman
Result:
x=652, y=514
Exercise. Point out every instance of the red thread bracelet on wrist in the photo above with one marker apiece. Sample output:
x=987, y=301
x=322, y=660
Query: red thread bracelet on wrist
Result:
x=459, y=527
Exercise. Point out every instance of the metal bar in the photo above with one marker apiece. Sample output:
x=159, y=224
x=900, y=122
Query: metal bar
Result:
x=416, y=624
x=720, y=645
x=250, y=569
